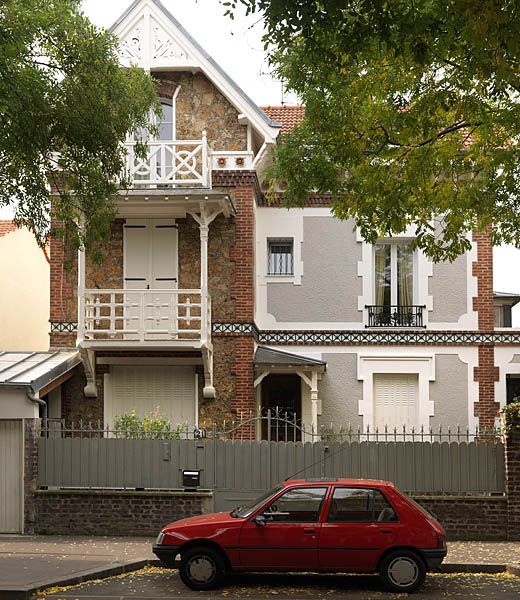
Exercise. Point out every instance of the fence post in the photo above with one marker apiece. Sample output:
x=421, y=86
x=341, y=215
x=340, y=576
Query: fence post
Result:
x=512, y=455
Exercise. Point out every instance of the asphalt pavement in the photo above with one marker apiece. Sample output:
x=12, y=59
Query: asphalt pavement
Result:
x=155, y=583
x=28, y=563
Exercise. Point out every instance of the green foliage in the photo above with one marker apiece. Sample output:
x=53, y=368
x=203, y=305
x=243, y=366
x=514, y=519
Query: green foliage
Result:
x=152, y=427
x=412, y=113
x=62, y=90
x=511, y=415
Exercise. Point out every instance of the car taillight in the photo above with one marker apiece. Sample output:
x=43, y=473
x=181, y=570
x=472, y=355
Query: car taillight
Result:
x=441, y=540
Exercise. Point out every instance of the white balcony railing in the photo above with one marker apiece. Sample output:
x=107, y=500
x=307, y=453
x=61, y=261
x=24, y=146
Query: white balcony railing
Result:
x=174, y=316
x=172, y=163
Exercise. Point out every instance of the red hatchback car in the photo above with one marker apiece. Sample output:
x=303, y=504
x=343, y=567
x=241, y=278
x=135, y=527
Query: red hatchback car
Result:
x=343, y=525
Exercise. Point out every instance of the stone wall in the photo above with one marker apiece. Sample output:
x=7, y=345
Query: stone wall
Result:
x=108, y=274
x=200, y=106
x=75, y=407
x=30, y=473
x=108, y=512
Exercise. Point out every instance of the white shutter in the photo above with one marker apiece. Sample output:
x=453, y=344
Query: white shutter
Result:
x=164, y=254
x=167, y=389
x=136, y=254
x=395, y=400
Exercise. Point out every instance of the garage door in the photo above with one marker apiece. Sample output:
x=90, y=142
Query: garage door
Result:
x=169, y=390
x=395, y=400
x=11, y=476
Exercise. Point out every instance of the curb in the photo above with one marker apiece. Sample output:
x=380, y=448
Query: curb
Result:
x=471, y=568
x=12, y=592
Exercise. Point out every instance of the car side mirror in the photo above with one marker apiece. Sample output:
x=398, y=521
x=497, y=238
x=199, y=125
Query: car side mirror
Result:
x=260, y=520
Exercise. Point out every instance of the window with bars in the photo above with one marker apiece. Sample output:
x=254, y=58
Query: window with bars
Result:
x=280, y=257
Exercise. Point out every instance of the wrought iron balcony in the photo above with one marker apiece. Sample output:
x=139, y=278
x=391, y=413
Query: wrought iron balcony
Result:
x=395, y=316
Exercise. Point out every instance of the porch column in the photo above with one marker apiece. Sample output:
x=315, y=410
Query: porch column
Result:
x=204, y=231
x=81, y=293
x=314, y=401
x=312, y=382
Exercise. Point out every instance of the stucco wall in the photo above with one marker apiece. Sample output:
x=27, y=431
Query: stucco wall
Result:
x=448, y=286
x=24, y=299
x=449, y=392
x=330, y=285
x=14, y=404
x=340, y=391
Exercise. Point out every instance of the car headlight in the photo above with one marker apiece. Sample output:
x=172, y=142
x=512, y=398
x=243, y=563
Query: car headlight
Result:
x=159, y=539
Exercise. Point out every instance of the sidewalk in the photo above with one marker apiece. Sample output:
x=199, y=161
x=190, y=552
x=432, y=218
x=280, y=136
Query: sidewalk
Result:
x=29, y=562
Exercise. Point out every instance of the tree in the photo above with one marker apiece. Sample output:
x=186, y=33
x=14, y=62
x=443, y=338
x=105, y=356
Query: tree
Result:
x=62, y=90
x=412, y=113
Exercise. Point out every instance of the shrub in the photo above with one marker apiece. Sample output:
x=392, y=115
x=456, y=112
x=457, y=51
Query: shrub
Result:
x=152, y=426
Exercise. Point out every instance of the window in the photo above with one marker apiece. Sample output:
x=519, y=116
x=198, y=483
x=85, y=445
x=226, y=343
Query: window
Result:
x=393, y=271
x=356, y=505
x=299, y=505
x=280, y=257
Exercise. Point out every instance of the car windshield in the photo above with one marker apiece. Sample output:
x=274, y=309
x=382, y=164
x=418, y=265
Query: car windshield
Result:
x=244, y=511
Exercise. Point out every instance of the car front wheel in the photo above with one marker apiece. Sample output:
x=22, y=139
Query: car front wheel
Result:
x=402, y=571
x=202, y=569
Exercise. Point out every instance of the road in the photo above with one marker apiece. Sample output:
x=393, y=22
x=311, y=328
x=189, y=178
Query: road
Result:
x=156, y=583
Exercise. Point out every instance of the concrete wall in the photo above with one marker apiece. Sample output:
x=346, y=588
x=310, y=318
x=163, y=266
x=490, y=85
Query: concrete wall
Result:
x=24, y=300
x=448, y=286
x=330, y=285
x=449, y=392
x=340, y=391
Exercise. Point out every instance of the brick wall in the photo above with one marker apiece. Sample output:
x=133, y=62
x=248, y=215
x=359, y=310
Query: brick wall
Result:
x=469, y=517
x=486, y=374
x=63, y=288
x=513, y=480
x=78, y=512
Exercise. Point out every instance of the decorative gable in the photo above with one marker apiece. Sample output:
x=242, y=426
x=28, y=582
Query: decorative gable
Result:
x=148, y=40
x=151, y=38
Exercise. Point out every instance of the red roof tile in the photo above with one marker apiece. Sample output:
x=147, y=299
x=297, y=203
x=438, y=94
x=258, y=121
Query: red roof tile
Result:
x=289, y=116
x=6, y=227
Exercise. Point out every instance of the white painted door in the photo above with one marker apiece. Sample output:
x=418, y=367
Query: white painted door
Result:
x=395, y=400
x=151, y=263
x=11, y=476
x=168, y=390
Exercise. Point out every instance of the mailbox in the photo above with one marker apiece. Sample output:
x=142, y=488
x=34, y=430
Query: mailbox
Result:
x=190, y=479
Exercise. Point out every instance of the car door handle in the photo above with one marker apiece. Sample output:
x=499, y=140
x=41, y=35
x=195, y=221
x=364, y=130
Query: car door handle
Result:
x=309, y=531
x=387, y=531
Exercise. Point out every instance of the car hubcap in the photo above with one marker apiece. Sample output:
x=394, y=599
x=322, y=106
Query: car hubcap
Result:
x=201, y=569
x=403, y=571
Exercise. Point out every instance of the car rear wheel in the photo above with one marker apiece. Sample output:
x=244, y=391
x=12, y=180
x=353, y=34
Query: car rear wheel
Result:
x=202, y=568
x=402, y=571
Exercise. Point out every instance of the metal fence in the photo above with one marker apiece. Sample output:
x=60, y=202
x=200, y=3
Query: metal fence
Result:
x=236, y=468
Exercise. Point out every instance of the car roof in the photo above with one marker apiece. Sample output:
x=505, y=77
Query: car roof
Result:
x=338, y=481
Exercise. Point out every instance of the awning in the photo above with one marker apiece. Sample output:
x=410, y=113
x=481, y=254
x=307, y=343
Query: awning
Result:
x=36, y=370
x=268, y=357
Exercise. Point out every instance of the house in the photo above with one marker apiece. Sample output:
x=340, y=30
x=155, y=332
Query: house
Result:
x=213, y=304
x=24, y=301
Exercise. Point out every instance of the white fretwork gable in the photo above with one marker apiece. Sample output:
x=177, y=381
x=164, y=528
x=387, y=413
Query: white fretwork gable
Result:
x=147, y=40
x=151, y=38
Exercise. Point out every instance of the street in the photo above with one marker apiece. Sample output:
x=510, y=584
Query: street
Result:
x=154, y=583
